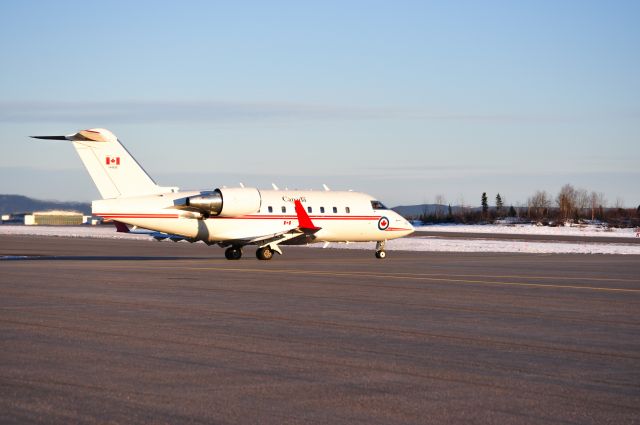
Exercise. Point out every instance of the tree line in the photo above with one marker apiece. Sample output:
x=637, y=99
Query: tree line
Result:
x=570, y=205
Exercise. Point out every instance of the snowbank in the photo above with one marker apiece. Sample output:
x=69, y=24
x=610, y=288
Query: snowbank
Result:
x=108, y=232
x=529, y=229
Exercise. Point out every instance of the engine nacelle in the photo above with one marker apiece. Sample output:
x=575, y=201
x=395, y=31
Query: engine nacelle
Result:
x=210, y=204
x=227, y=202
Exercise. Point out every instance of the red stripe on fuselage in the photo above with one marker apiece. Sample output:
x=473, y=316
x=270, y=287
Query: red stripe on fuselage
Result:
x=246, y=217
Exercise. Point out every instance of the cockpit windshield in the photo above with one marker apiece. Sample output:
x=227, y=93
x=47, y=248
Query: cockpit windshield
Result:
x=377, y=205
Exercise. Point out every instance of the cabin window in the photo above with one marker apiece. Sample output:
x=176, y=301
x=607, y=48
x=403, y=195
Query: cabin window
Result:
x=322, y=210
x=377, y=205
x=284, y=209
x=335, y=210
x=270, y=209
x=309, y=210
x=347, y=210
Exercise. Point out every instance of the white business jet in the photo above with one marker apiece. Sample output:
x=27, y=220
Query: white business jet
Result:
x=229, y=217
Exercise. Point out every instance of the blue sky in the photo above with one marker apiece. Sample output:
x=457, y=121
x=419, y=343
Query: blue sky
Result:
x=403, y=100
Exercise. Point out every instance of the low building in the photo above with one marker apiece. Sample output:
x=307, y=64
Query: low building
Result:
x=54, y=218
x=13, y=218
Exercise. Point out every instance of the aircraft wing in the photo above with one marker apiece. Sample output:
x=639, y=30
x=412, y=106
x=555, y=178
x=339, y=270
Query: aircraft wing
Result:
x=289, y=235
x=300, y=234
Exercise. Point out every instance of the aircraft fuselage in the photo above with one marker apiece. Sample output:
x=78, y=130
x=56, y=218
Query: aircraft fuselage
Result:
x=342, y=216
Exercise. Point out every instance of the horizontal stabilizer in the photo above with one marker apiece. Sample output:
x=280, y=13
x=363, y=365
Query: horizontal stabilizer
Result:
x=50, y=137
x=92, y=135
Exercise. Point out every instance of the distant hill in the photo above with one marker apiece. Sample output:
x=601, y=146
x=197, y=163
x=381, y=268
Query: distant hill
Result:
x=13, y=204
x=414, y=211
x=417, y=210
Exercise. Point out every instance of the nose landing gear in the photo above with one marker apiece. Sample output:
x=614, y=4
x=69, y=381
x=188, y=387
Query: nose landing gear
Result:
x=380, y=253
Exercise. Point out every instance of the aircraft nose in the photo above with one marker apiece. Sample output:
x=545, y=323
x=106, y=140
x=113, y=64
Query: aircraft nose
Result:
x=404, y=224
x=410, y=228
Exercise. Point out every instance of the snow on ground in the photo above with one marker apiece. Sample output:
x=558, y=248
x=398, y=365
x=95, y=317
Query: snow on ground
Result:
x=530, y=229
x=420, y=243
x=108, y=232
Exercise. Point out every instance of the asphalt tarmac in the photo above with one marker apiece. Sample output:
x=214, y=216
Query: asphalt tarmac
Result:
x=118, y=331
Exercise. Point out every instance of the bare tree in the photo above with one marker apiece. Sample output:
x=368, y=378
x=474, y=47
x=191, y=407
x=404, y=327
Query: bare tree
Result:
x=440, y=202
x=582, y=201
x=462, y=209
x=539, y=204
x=597, y=203
x=566, y=201
x=620, y=213
x=520, y=208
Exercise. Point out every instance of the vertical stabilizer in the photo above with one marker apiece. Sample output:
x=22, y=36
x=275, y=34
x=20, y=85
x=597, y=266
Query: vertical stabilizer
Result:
x=114, y=171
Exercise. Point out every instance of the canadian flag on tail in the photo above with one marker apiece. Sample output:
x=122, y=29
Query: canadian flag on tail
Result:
x=113, y=160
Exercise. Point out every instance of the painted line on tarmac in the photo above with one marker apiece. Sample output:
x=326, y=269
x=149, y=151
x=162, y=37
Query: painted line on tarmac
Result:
x=400, y=276
x=417, y=277
x=387, y=274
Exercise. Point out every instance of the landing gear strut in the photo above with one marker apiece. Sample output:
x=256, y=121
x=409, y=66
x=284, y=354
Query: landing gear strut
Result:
x=233, y=253
x=380, y=253
x=264, y=253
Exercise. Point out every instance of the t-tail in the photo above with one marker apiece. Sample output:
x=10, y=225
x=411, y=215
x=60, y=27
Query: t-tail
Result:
x=114, y=171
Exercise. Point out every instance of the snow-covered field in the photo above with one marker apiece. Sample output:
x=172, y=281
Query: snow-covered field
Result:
x=421, y=243
x=108, y=232
x=529, y=229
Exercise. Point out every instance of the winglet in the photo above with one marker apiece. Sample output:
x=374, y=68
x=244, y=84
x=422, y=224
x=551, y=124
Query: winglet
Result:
x=304, y=222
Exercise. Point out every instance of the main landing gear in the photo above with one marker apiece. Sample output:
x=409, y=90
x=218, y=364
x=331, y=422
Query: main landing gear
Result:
x=380, y=253
x=233, y=253
x=264, y=253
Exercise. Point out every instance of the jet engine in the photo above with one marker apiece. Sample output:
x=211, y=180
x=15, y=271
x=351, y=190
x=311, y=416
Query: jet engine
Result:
x=226, y=202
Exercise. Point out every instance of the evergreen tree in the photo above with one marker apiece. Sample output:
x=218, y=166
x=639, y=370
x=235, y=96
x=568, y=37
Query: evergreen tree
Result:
x=485, y=205
x=450, y=213
x=512, y=211
x=499, y=204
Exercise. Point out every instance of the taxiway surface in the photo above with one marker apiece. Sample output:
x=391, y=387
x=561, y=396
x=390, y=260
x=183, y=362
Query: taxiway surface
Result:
x=98, y=330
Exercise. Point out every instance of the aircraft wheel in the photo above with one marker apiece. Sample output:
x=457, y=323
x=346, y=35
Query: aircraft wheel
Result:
x=381, y=254
x=264, y=253
x=233, y=253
